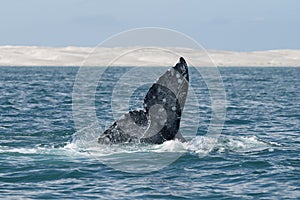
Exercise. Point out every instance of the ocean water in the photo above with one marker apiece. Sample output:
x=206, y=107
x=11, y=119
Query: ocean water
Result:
x=43, y=155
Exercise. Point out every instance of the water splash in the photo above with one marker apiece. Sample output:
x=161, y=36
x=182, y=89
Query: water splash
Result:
x=197, y=145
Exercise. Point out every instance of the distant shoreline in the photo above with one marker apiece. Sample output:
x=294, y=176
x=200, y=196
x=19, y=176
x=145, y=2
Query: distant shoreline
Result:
x=142, y=56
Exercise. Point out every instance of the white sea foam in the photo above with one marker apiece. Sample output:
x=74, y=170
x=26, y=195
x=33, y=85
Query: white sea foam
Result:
x=19, y=150
x=143, y=158
x=198, y=145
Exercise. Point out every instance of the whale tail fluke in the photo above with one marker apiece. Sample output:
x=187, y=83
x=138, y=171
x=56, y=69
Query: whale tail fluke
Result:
x=160, y=119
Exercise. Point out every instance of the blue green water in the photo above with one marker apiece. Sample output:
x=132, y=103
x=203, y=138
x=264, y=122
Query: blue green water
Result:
x=256, y=157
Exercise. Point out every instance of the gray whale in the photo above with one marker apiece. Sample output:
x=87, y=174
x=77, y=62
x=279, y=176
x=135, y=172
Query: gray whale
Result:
x=159, y=121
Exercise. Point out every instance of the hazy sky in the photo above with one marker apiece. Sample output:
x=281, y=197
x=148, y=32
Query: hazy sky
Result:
x=238, y=25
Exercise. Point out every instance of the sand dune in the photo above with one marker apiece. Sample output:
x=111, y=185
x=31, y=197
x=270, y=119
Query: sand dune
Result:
x=140, y=56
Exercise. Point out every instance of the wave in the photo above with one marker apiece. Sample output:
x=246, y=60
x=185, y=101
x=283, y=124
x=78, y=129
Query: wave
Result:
x=197, y=145
x=143, y=158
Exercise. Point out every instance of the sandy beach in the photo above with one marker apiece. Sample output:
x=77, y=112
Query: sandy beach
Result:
x=141, y=56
